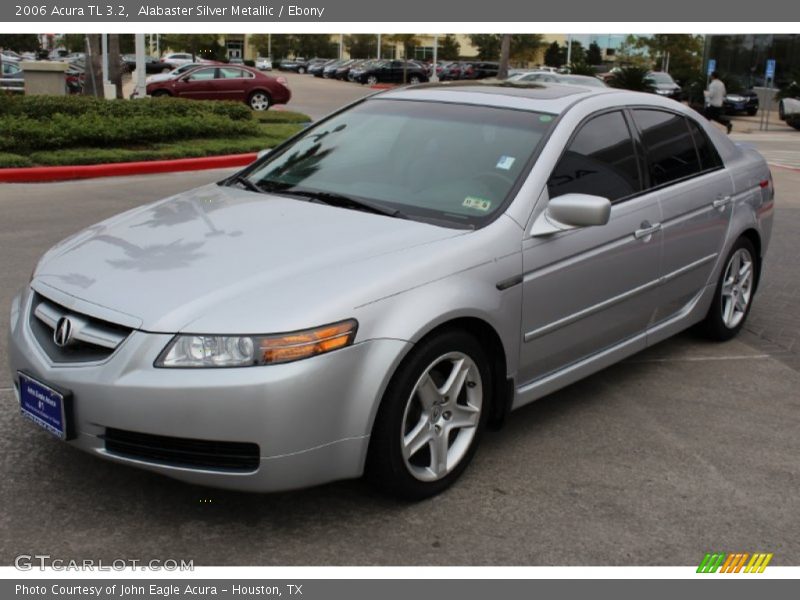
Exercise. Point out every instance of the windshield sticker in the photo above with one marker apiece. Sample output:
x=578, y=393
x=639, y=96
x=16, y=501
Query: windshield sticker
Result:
x=477, y=203
x=545, y=118
x=505, y=162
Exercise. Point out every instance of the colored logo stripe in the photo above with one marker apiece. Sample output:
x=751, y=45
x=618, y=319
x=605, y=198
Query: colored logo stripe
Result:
x=734, y=562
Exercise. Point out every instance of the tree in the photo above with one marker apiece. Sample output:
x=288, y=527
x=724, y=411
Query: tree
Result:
x=552, y=56
x=488, y=45
x=680, y=54
x=632, y=53
x=631, y=78
x=449, y=48
x=505, y=53
x=578, y=54
x=74, y=42
x=114, y=63
x=19, y=42
x=311, y=45
x=361, y=45
x=93, y=78
x=525, y=47
x=275, y=46
x=409, y=42
x=594, y=56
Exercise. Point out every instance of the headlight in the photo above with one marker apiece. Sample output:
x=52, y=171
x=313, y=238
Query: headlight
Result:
x=194, y=351
x=732, y=98
x=664, y=92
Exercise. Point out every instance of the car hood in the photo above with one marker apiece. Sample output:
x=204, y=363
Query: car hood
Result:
x=171, y=263
x=666, y=86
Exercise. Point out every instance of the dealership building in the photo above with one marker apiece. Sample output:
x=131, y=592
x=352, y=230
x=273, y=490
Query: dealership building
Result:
x=745, y=57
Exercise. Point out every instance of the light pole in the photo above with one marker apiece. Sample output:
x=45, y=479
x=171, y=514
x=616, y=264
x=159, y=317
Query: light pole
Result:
x=434, y=75
x=140, y=91
x=379, y=45
x=569, y=49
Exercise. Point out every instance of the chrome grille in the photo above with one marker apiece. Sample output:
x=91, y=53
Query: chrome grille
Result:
x=91, y=339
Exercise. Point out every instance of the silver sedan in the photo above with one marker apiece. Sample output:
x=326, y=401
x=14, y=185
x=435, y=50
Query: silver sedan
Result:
x=374, y=293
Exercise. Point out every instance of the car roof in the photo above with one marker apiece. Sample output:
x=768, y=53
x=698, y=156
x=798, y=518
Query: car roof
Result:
x=544, y=97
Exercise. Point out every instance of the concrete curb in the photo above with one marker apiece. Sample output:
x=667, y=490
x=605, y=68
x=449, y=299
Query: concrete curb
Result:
x=42, y=174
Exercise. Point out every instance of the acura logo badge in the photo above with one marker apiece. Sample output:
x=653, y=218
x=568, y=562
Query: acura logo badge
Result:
x=62, y=335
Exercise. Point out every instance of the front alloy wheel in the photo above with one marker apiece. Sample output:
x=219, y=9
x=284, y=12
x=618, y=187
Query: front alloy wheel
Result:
x=430, y=420
x=372, y=80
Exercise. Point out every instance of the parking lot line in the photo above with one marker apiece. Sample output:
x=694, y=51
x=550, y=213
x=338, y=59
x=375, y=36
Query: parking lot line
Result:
x=702, y=358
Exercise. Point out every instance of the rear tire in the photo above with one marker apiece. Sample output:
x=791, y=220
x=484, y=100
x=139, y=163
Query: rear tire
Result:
x=431, y=417
x=752, y=112
x=372, y=80
x=733, y=296
x=160, y=94
x=301, y=70
x=259, y=101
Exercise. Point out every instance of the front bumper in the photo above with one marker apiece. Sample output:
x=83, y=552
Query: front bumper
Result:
x=311, y=419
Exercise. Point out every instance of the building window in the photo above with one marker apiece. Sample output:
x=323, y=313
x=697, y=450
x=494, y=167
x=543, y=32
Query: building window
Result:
x=423, y=52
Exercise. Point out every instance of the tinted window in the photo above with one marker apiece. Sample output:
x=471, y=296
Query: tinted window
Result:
x=669, y=145
x=600, y=160
x=709, y=158
x=230, y=73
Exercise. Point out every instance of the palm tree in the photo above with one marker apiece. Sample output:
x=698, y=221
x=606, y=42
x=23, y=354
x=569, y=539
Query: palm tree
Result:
x=631, y=78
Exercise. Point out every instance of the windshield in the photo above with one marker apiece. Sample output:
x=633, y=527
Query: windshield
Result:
x=445, y=162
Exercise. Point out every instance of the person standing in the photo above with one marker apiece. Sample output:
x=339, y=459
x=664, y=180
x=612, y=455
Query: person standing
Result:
x=715, y=96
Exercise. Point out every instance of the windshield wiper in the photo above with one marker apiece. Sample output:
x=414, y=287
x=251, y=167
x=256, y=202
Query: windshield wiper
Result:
x=244, y=181
x=340, y=200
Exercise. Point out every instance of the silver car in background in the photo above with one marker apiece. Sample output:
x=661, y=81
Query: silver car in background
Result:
x=375, y=292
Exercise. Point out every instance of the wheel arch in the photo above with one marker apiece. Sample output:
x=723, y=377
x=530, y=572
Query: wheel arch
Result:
x=754, y=237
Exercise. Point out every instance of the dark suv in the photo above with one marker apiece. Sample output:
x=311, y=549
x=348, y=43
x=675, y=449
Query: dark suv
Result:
x=392, y=71
x=479, y=70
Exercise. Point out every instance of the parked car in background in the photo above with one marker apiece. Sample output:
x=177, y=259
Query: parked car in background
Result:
x=234, y=82
x=290, y=64
x=263, y=63
x=13, y=79
x=235, y=61
x=10, y=56
x=151, y=64
x=479, y=70
x=741, y=102
x=317, y=68
x=175, y=72
x=449, y=71
x=175, y=59
x=664, y=85
x=551, y=77
x=391, y=71
x=343, y=69
x=329, y=70
x=9, y=68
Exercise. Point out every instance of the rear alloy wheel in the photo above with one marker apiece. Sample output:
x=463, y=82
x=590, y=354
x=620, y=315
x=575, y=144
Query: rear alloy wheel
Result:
x=259, y=101
x=431, y=417
x=372, y=80
x=734, y=294
x=301, y=70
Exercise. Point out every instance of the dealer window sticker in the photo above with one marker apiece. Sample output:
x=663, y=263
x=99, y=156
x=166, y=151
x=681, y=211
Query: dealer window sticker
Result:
x=475, y=203
x=505, y=162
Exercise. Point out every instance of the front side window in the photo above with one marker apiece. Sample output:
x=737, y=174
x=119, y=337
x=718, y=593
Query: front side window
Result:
x=600, y=160
x=669, y=144
x=456, y=163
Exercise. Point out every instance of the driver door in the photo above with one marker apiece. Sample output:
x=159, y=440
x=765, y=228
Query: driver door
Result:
x=588, y=289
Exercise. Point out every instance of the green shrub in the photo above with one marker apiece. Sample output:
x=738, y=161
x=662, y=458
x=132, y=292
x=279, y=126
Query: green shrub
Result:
x=8, y=160
x=281, y=116
x=45, y=107
x=22, y=134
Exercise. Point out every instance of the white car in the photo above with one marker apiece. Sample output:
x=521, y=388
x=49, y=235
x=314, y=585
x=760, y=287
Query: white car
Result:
x=174, y=72
x=263, y=63
x=177, y=58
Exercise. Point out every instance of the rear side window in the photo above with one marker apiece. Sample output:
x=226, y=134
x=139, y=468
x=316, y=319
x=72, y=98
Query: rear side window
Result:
x=670, y=146
x=709, y=157
x=600, y=160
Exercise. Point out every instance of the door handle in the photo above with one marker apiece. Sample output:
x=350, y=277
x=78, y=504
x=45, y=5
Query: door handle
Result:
x=646, y=230
x=721, y=201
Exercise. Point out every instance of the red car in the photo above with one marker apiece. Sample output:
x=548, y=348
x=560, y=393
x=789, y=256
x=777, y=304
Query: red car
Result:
x=225, y=82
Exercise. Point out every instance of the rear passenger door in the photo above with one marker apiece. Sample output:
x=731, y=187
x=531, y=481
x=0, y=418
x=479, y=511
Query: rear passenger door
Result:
x=588, y=289
x=696, y=203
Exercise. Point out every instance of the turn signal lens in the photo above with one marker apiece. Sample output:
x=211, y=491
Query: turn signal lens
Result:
x=198, y=351
x=303, y=344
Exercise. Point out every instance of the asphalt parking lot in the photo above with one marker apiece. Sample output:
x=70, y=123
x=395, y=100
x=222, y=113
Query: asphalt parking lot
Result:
x=686, y=448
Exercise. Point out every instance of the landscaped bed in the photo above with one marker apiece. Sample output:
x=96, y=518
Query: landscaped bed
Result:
x=78, y=130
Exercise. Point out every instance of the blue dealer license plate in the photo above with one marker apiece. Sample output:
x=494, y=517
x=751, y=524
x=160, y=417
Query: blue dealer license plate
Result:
x=45, y=406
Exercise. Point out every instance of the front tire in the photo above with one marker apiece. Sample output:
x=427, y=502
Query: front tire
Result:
x=301, y=70
x=431, y=418
x=733, y=296
x=372, y=80
x=160, y=94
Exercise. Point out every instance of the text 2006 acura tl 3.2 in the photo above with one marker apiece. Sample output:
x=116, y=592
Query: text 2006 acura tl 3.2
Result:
x=374, y=292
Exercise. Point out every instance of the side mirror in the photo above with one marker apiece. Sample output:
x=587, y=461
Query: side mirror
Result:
x=571, y=211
